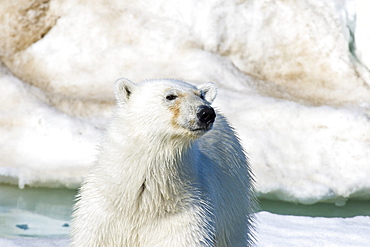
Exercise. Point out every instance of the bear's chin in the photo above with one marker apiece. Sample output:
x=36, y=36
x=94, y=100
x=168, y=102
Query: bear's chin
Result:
x=193, y=132
x=198, y=132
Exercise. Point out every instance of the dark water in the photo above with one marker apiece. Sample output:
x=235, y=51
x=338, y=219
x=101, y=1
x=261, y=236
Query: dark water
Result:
x=43, y=212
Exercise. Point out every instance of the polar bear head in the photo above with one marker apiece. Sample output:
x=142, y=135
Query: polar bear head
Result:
x=166, y=108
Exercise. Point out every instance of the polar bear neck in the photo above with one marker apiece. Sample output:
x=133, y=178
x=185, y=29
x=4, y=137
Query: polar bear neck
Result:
x=155, y=179
x=168, y=180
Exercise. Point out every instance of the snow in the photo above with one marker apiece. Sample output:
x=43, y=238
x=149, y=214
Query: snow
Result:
x=298, y=97
x=41, y=145
x=361, y=32
x=293, y=79
x=23, y=242
x=273, y=230
x=278, y=230
x=302, y=153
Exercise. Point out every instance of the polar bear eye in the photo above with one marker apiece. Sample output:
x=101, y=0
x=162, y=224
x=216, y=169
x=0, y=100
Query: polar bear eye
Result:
x=171, y=97
x=202, y=96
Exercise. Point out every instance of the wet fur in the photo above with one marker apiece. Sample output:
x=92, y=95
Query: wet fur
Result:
x=155, y=185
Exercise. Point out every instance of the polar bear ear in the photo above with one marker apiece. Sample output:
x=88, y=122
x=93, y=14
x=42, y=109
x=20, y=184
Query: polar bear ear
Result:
x=123, y=90
x=209, y=91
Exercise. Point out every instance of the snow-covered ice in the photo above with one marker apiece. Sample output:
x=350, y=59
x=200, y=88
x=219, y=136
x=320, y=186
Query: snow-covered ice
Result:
x=278, y=230
x=274, y=230
x=293, y=79
x=39, y=144
x=288, y=76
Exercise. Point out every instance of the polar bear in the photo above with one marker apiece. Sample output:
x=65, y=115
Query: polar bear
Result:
x=170, y=172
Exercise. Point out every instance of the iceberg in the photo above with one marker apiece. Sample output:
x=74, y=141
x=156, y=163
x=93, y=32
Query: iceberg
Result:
x=293, y=79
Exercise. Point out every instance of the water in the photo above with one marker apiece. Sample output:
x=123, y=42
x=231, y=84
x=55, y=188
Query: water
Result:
x=35, y=212
x=350, y=209
x=46, y=213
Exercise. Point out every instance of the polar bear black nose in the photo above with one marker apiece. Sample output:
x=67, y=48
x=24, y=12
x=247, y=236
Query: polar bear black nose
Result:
x=206, y=114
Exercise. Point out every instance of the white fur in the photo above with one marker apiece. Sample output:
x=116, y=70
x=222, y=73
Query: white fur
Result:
x=157, y=183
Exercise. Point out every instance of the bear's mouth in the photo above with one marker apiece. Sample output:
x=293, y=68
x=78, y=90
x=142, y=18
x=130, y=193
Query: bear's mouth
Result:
x=203, y=128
